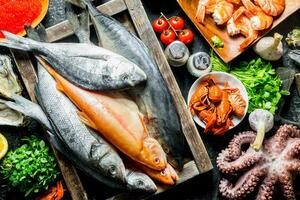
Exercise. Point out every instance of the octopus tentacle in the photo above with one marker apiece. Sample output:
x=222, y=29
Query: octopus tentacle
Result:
x=243, y=162
x=286, y=184
x=293, y=149
x=244, y=186
x=279, y=140
x=293, y=166
x=267, y=188
x=235, y=146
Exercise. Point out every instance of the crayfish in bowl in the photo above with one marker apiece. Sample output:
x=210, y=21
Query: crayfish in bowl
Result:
x=215, y=106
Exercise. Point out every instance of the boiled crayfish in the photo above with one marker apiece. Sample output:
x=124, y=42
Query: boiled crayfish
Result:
x=215, y=106
x=54, y=193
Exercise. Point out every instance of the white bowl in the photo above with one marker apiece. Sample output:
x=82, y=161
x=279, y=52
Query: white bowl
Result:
x=221, y=78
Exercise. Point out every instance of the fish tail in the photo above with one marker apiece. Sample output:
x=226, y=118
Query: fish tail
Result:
x=38, y=34
x=81, y=25
x=17, y=42
x=86, y=4
x=29, y=109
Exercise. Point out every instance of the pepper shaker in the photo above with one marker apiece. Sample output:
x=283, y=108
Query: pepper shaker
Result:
x=177, y=54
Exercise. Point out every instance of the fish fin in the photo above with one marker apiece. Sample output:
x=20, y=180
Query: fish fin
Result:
x=141, y=116
x=59, y=87
x=80, y=25
x=86, y=120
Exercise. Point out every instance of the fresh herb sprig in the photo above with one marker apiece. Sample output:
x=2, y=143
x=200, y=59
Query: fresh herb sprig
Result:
x=30, y=168
x=262, y=84
x=217, y=64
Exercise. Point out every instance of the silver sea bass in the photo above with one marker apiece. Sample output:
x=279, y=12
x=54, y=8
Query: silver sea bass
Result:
x=85, y=65
x=154, y=100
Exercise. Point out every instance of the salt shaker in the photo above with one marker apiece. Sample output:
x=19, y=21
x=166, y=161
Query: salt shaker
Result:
x=199, y=64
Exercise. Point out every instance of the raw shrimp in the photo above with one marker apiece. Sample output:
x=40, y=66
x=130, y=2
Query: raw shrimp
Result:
x=271, y=7
x=240, y=23
x=221, y=10
x=259, y=20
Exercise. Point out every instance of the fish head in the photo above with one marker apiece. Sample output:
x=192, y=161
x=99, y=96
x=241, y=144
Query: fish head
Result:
x=153, y=154
x=168, y=175
x=139, y=181
x=132, y=75
x=9, y=83
x=110, y=163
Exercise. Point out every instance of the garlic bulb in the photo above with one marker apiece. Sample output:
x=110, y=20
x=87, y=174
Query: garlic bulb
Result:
x=269, y=48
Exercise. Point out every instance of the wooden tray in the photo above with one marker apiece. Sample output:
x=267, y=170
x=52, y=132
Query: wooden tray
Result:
x=231, y=44
x=135, y=19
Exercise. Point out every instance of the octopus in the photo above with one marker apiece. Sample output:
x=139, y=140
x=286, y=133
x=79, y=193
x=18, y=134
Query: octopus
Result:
x=275, y=164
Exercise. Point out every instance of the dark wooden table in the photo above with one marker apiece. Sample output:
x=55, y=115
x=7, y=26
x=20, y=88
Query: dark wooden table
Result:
x=205, y=186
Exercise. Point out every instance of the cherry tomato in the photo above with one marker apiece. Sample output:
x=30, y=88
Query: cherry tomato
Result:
x=168, y=36
x=186, y=36
x=177, y=22
x=160, y=24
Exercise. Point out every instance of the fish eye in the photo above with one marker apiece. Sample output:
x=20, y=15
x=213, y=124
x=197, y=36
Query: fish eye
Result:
x=156, y=160
x=125, y=77
x=112, y=170
x=163, y=173
x=140, y=183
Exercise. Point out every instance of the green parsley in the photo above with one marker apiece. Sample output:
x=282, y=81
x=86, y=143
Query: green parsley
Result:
x=262, y=84
x=30, y=168
x=217, y=64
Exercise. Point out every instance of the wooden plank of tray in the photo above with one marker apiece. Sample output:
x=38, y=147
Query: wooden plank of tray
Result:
x=147, y=35
x=63, y=29
x=69, y=172
x=189, y=170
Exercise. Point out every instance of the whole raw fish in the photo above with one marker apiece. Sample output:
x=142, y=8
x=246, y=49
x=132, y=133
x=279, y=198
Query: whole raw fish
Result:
x=154, y=100
x=118, y=119
x=85, y=65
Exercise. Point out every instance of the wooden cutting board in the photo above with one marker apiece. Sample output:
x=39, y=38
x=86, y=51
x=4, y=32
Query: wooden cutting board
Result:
x=231, y=44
